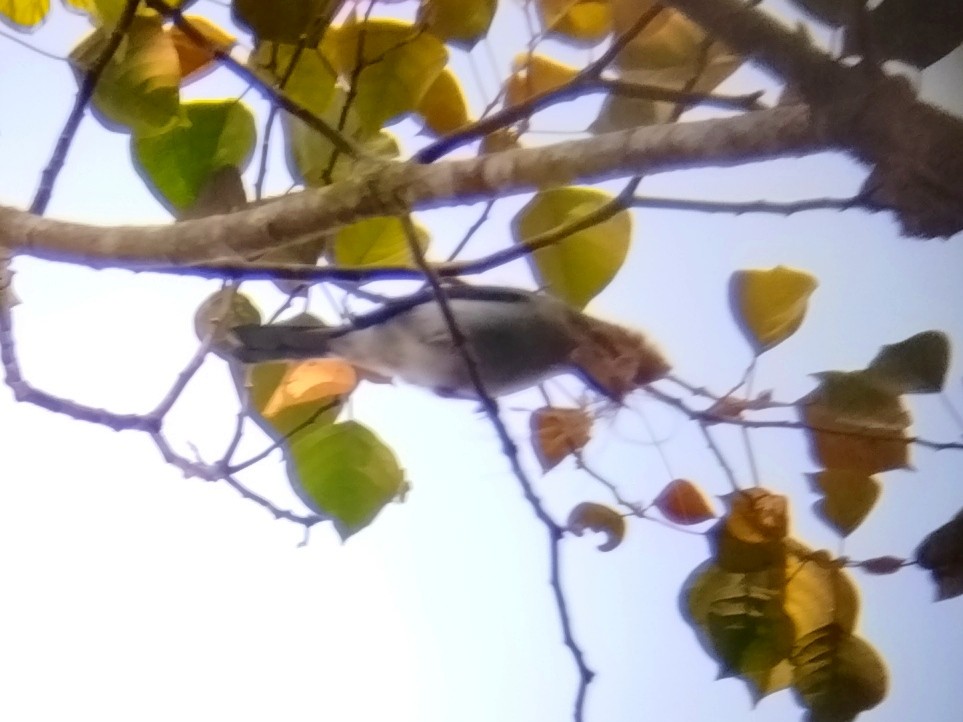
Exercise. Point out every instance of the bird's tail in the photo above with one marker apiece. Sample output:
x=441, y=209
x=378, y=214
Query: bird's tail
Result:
x=253, y=343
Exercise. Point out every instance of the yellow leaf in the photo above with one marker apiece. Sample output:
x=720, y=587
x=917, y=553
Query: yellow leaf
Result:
x=309, y=381
x=683, y=502
x=556, y=433
x=443, y=106
x=818, y=593
x=464, y=21
x=534, y=75
x=580, y=265
x=770, y=305
x=597, y=517
x=399, y=61
x=193, y=57
x=849, y=497
x=311, y=84
x=25, y=13
x=586, y=20
x=378, y=241
x=757, y=516
x=138, y=88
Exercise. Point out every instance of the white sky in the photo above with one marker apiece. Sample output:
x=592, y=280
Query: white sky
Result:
x=132, y=593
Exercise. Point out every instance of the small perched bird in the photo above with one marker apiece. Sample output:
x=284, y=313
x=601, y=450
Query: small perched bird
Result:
x=516, y=338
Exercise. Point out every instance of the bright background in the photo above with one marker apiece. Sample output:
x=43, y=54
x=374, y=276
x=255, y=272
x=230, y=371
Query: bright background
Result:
x=130, y=592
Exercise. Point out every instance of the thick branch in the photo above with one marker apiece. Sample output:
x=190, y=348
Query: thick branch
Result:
x=249, y=232
x=915, y=150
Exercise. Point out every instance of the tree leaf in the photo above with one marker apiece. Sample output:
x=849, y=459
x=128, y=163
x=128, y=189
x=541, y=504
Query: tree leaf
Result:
x=740, y=621
x=596, y=517
x=683, y=502
x=443, y=105
x=399, y=62
x=942, y=553
x=556, y=433
x=378, y=241
x=217, y=315
x=25, y=13
x=919, y=33
x=837, y=675
x=311, y=381
x=195, y=59
x=534, y=74
x=462, y=21
x=757, y=515
x=583, y=20
x=770, y=305
x=344, y=470
x=849, y=496
x=818, y=593
x=280, y=21
x=177, y=163
x=139, y=87
x=579, y=266
x=310, y=84
x=916, y=365
x=856, y=425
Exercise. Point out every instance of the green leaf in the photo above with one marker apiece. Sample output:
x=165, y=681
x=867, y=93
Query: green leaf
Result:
x=916, y=365
x=139, y=87
x=310, y=84
x=770, y=305
x=280, y=21
x=462, y=21
x=849, y=496
x=742, y=624
x=346, y=471
x=837, y=675
x=399, y=62
x=25, y=13
x=854, y=424
x=176, y=164
x=580, y=265
x=314, y=159
x=378, y=241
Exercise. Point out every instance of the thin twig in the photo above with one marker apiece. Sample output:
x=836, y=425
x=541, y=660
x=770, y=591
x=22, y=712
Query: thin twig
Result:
x=510, y=450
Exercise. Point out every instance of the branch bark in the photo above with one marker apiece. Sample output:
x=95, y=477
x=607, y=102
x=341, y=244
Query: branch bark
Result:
x=915, y=150
x=399, y=187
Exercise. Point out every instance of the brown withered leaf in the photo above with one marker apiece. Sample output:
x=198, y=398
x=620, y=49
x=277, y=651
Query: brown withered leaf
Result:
x=556, y=433
x=683, y=502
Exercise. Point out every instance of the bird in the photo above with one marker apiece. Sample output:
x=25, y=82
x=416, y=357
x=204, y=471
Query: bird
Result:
x=515, y=338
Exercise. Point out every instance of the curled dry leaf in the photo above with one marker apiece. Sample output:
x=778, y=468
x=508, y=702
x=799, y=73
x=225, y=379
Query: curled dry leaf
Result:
x=683, y=502
x=589, y=515
x=556, y=433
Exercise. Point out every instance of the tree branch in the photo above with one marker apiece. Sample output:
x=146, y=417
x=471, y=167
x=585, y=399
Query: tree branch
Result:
x=225, y=238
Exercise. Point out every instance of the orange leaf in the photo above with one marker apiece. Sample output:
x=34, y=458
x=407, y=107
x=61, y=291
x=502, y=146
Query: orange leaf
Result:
x=557, y=433
x=309, y=381
x=193, y=57
x=683, y=502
